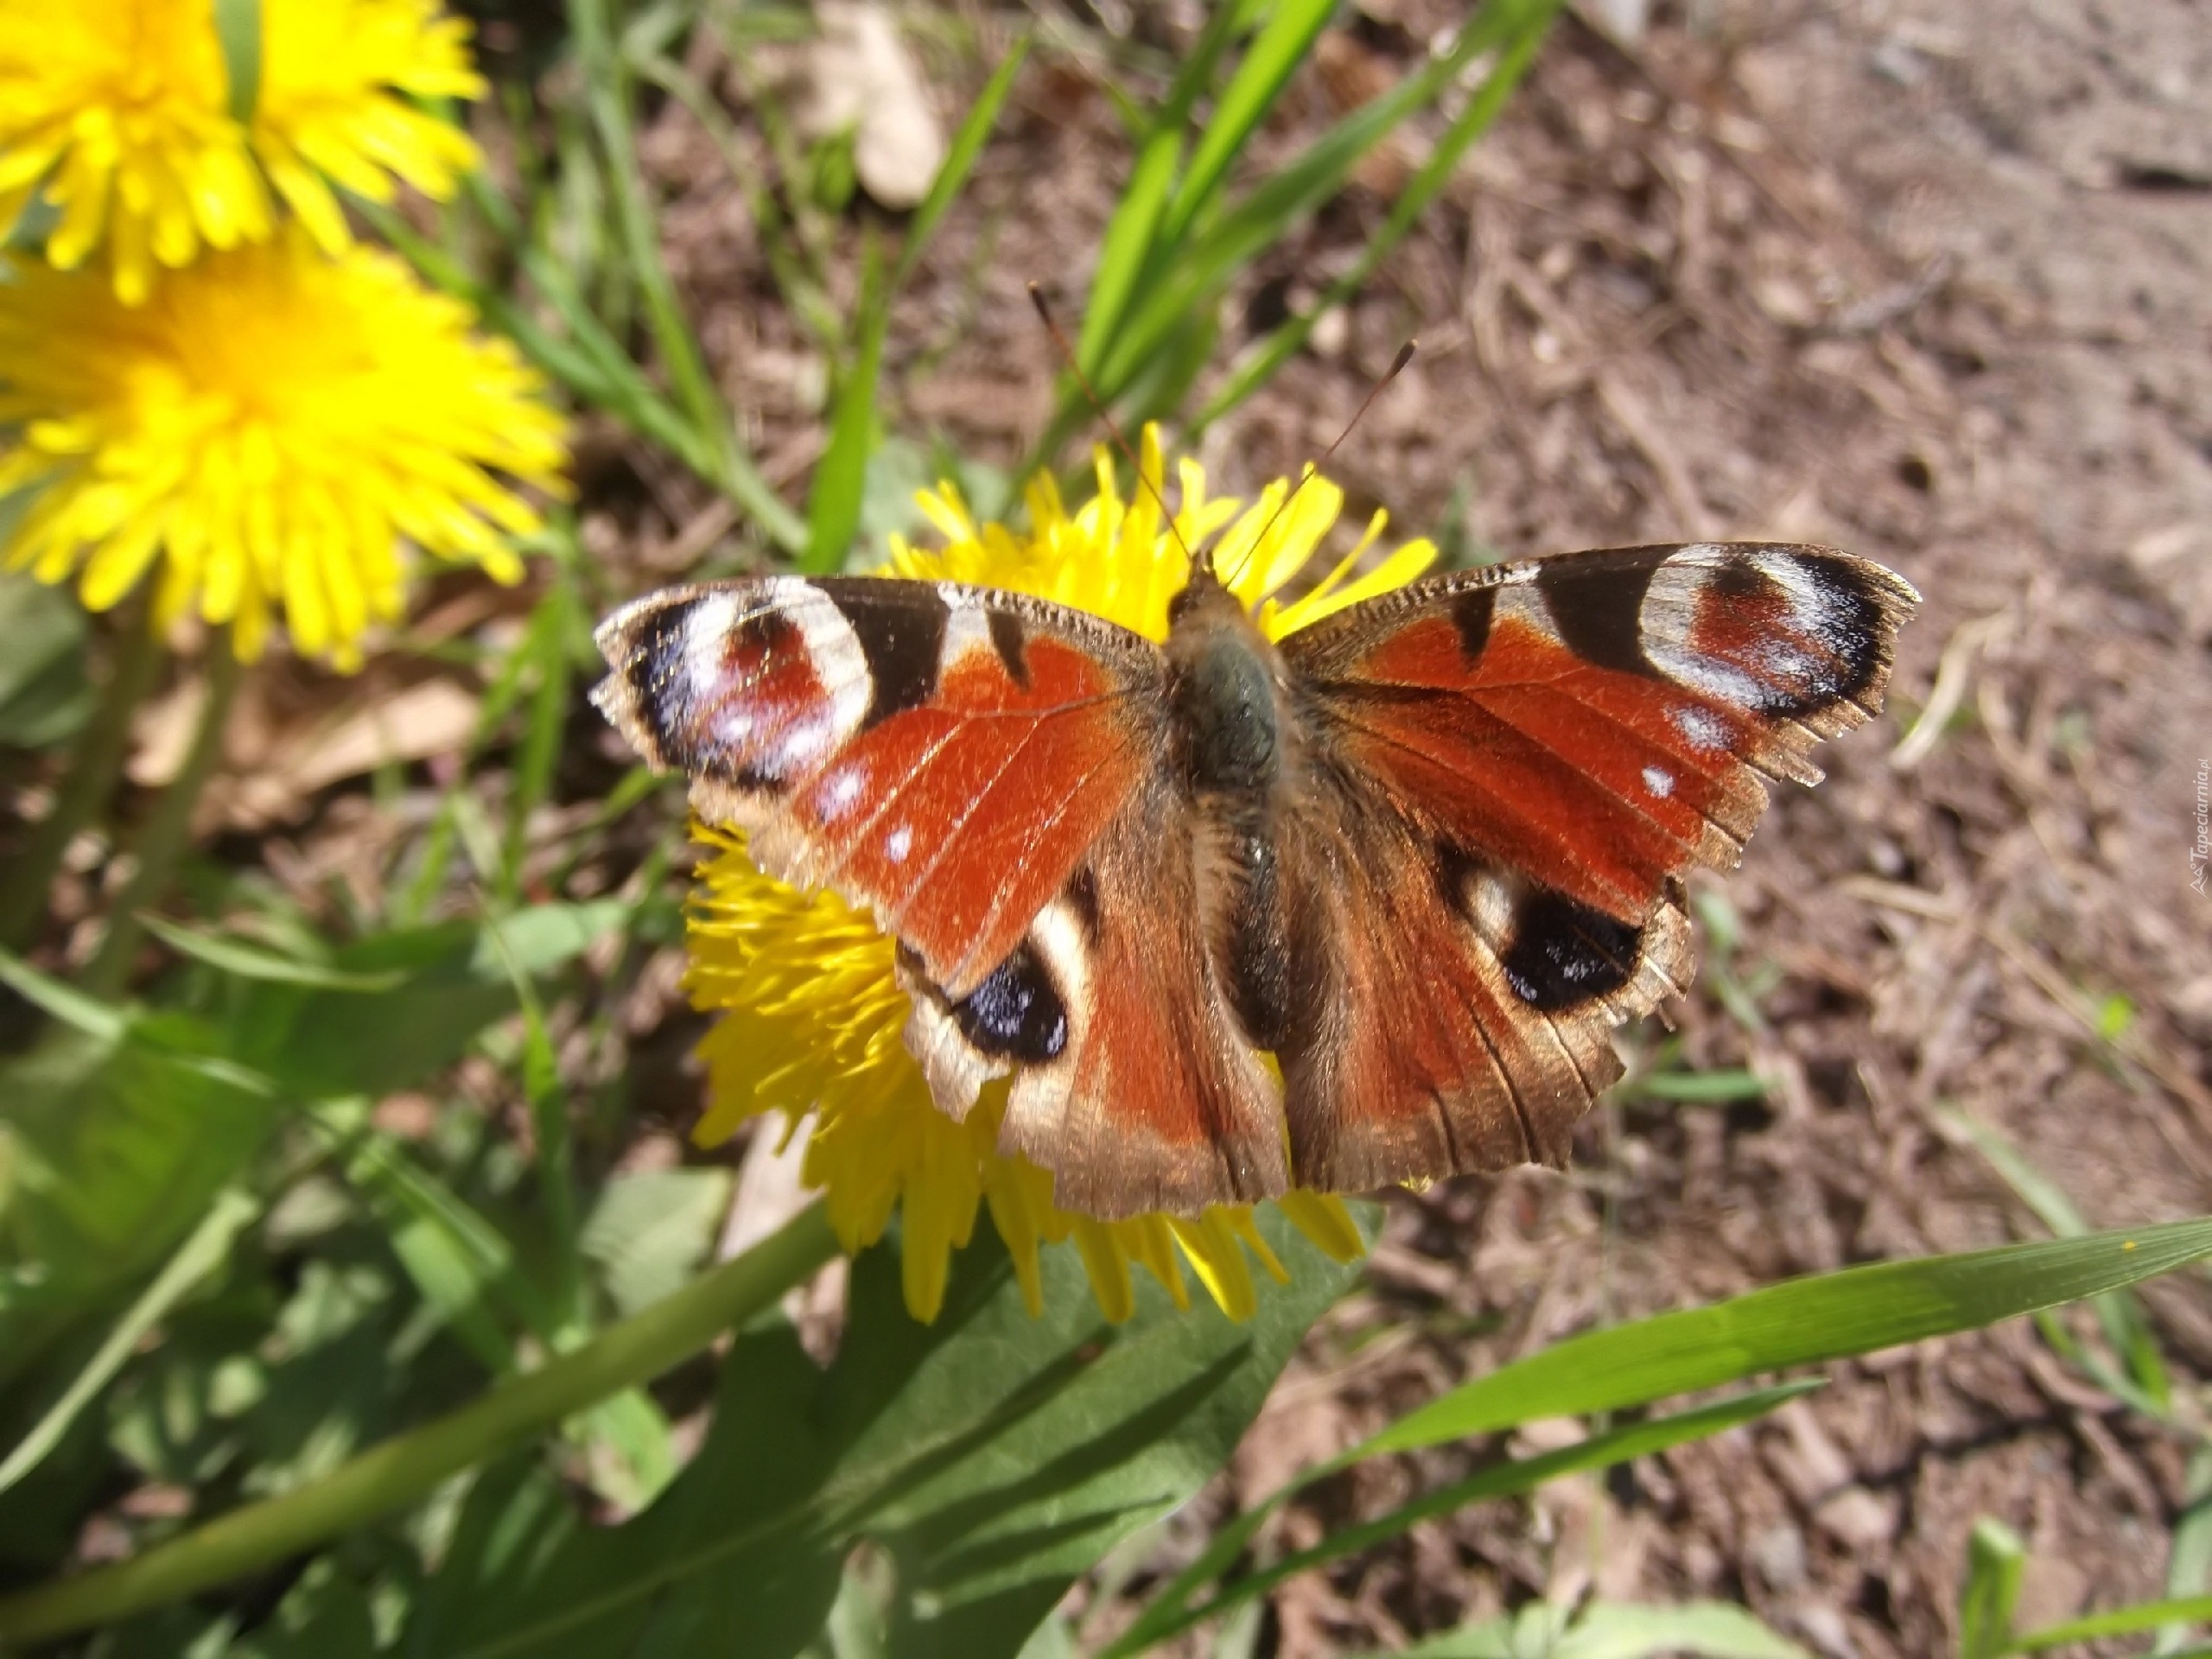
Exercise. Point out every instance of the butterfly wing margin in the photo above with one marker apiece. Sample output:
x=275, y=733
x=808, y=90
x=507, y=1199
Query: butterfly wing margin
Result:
x=1551, y=746
x=943, y=753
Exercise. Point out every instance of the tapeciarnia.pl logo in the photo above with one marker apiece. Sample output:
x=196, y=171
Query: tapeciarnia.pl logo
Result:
x=2200, y=855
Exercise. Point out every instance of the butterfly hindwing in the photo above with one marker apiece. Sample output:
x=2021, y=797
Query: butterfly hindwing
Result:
x=1143, y=1094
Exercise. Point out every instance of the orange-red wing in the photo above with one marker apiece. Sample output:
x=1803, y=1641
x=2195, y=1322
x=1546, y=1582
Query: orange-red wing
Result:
x=945, y=754
x=1596, y=723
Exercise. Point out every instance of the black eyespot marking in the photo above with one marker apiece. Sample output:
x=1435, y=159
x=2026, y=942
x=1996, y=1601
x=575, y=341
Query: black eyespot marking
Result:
x=902, y=632
x=1564, y=954
x=1851, y=624
x=1015, y=1012
x=1601, y=620
x=658, y=660
x=1007, y=639
x=1471, y=613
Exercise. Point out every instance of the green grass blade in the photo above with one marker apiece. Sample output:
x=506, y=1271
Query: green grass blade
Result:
x=1281, y=47
x=1702, y=1087
x=1161, y=1620
x=834, y=504
x=243, y=961
x=1524, y=34
x=2188, y=1557
x=2127, y=1326
x=101, y=1021
x=200, y=1254
x=1801, y=1322
x=545, y=647
x=1995, y=1560
x=2117, y=1621
x=400, y=1471
x=1127, y=248
x=1203, y=269
x=237, y=29
x=549, y=1115
x=607, y=96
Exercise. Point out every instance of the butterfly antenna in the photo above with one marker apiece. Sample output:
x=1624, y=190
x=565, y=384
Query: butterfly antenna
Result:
x=1314, y=469
x=1098, y=408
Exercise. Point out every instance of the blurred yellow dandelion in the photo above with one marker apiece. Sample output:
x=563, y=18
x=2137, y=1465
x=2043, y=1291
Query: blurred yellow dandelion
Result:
x=335, y=81
x=271, y=427
x=810, y=1012
x=120, y=114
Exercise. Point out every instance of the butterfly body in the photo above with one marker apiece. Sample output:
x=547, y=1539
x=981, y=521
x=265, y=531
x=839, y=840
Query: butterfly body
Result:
x=1424, y=853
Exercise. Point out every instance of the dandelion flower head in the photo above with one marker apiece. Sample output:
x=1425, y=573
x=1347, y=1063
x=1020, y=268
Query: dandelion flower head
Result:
x=271, y=428
x=811, y=1015
x=122, y=115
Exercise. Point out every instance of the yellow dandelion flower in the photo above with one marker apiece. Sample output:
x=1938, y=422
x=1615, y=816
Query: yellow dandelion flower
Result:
x=810, y=1012
x=335, y=79
x=120, y=113
x=271, y=427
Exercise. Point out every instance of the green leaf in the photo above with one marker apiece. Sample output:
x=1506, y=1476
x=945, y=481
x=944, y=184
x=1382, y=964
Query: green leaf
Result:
x=993, y=1456
x=959, y=161
x=1275, y=54
x=1712, y=1629
x=650, y=1230
x=234, y=957
x=834, y=501
x=45, y=695
x=1728, y=1083
x=451, y=983
x=115, y=1150
x=201, y=1255
x=1202, y=271
x=1801, y=1322
x=1127, y=248
x=406, y=1468
x=237, y=28
x=2189, y=1557
x=1995, y=1560
x=2116, y=1621
x=1522, y=27
x=2127, y=1326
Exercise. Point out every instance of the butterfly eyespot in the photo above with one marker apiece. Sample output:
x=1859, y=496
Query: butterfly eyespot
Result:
x=1015, y=1014
x=1564, y=954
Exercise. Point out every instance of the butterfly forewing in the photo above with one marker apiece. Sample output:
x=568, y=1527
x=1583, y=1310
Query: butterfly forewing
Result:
x=943, y=753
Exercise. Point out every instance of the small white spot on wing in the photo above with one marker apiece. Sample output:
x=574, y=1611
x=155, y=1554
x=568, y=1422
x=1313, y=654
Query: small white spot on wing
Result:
x=840, y=792
x=1701, y=728
x=1659, y=781
x=898, y=844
